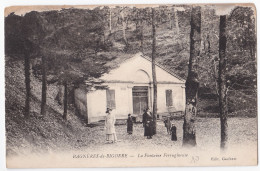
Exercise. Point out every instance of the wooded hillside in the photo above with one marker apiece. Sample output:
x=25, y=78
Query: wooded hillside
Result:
x=78, y=43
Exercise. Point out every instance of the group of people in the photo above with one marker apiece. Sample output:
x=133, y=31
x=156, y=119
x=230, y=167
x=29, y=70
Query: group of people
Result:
x=147, y=124
x=147, y=121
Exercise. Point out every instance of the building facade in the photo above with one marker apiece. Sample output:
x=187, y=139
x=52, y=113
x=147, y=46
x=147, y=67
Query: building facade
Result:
x=130, y=90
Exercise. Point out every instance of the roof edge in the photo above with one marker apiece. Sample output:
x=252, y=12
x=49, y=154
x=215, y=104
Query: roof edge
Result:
x=163, y=68
x=156, y=63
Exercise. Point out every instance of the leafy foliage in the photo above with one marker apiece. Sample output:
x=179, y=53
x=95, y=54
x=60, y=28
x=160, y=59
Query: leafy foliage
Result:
x=81, y=44
x=82, y=36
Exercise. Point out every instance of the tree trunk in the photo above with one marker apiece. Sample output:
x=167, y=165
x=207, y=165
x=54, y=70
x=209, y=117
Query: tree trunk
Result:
x=44, y=86
x=110, y=21
x=86, y=105
x=252, y=54
x=170, y=20
x=142, y=37
x=154, y=71
x=27, y=84
x=65, y=100
x=209, y=48
x=104, y=37
x=192, y=83
x=222, y=81
x=124, y=28
x=214, y=70
x=124, y=34
x=176, y=21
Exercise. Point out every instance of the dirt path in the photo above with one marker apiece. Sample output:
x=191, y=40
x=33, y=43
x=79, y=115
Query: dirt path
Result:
x=242, y=131
x=91, y=142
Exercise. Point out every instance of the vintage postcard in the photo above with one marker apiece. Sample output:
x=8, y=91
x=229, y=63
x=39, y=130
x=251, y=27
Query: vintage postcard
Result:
x=131, y=85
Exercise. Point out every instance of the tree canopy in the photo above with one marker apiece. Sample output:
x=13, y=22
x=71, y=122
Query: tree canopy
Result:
x=75, y=41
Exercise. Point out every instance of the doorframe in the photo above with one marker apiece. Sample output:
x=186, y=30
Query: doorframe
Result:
x=149, y=94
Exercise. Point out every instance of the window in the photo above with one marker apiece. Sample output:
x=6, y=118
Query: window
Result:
x=111, y=103
x=168, y=98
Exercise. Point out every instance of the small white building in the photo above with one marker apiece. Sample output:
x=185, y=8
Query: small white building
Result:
x=130, y=90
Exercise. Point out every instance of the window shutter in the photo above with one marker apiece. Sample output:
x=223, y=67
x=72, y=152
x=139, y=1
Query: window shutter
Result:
x=168, y=98
x=111, y=103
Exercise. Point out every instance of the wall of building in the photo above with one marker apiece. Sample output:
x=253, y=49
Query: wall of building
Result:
x=136, y=71
x=81, y=102
x=97, y=103
x=178, y=98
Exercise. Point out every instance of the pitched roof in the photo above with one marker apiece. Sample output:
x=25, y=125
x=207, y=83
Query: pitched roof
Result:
x=164, y=68
x=119, y=60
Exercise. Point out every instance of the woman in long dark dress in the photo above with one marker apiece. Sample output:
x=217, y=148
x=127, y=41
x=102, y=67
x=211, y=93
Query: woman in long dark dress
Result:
x=173, y=131
x=129, y=124
x=148, y=124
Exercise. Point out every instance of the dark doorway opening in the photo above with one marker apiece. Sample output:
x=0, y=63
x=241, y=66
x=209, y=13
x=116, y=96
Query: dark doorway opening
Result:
x=140, y=99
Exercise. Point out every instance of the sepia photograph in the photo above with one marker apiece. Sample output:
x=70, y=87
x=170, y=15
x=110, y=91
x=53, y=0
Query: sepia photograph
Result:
x=94, y=86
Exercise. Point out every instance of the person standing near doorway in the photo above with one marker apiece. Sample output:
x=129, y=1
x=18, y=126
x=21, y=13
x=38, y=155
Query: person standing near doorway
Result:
x=110, y=127
x=129, y=124
x=148, y=123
